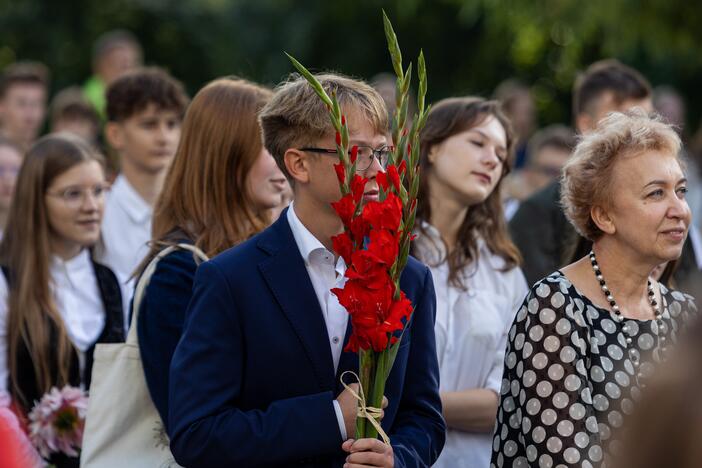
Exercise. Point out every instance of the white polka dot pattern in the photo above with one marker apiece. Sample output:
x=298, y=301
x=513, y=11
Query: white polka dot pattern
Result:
x=568, y=380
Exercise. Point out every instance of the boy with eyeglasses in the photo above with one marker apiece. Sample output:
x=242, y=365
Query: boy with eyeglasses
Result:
x=255, y=380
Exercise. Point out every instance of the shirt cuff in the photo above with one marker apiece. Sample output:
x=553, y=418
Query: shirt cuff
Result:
x=340, y=420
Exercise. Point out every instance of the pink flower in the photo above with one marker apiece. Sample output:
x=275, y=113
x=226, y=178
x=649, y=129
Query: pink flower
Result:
x=57, y=421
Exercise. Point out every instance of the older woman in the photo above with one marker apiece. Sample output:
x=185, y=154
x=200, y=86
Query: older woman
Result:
x=587, y=337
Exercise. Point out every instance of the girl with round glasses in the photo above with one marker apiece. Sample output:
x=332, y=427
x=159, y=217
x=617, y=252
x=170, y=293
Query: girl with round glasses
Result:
x=56, y=302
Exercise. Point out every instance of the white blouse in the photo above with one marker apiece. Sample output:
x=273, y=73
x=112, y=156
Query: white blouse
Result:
x=471, y=334
x=78, y=300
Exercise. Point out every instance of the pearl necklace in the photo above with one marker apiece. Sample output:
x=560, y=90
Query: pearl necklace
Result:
x=633, y=357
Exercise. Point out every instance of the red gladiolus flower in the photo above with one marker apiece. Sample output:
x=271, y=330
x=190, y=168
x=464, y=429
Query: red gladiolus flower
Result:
x=384, y=246
x=382, y=179
x=340, y=173
x=399, y=310
x=394, y=177
x=345, y=208
x=359, y=228
x=384, y=215
x=358, y=185
x=343, y=245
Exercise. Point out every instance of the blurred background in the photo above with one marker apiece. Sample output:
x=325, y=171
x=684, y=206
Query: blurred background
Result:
x=470, y=45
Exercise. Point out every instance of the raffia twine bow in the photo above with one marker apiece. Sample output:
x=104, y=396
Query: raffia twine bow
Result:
x=370, y=413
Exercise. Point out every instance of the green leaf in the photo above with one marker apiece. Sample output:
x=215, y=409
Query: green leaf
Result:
x=316, y=85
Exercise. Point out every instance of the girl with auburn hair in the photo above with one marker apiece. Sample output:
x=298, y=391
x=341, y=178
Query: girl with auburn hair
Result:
x=218, y=192
x=56, y=302
x=466, y=150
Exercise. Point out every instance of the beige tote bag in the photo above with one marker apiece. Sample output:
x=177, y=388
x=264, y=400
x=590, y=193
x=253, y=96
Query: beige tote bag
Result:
x=123, y=428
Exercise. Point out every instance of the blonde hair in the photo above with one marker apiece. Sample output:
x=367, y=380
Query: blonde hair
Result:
x=296, y=116
x=587, y=175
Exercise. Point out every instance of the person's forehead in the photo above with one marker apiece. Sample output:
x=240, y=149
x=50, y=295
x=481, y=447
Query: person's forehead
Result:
x=641, y=168
x=607, y=103
x=362, y=127
x=24, y=88
x=491, y=128
x=153, y=110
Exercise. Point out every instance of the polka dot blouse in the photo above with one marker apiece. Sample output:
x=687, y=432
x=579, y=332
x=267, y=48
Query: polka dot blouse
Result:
x=568, y=378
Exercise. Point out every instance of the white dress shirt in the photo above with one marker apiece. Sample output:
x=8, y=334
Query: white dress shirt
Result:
x=78, y=301
x=324, y=274
x=126, y=230
x=471, y=334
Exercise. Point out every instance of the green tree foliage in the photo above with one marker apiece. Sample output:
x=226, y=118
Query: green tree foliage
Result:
x=470, y=45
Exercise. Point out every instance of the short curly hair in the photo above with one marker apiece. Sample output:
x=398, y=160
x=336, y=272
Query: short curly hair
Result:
x=133, y=92
x=587, y=176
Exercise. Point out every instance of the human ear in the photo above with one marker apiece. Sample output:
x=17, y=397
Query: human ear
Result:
x=602, y=219
x=297, y=164
x=114, y=135
x=433, y=153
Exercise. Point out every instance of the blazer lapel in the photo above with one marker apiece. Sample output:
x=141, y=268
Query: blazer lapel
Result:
x=291, y=287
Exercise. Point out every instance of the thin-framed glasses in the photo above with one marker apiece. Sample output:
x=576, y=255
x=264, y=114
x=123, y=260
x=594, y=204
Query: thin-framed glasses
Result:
x=75, y=196
x=364, y=156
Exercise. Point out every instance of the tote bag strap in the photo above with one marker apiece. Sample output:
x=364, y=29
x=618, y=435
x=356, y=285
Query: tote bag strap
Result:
x=143, y=282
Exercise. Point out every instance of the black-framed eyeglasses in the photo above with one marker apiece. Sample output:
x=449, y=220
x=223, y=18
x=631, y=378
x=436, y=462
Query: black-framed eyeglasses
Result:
x=364, y=156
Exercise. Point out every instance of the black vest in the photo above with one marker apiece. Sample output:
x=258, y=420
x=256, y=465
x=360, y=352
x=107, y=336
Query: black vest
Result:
x=113, y=332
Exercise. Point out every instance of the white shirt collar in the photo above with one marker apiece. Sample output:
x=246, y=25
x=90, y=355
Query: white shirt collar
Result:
x=130, y=200
x=79, y=263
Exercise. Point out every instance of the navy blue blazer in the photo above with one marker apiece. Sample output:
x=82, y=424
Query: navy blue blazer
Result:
x=252, y=380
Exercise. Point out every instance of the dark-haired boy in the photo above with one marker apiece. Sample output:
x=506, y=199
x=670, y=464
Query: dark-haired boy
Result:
x=144, y=110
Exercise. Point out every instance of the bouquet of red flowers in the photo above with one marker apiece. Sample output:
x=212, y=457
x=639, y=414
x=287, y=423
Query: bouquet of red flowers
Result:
x=376, y=240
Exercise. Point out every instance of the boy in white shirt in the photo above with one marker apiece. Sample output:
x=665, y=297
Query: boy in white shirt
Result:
x=144, y=112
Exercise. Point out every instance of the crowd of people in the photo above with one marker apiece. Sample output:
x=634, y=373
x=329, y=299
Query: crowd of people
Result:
x=551, y=275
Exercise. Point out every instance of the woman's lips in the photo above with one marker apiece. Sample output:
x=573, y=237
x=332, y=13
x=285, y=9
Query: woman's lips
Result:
x=485, y=178
x=676, y=235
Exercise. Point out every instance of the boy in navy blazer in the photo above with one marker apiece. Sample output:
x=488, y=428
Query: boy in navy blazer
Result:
x=254, y=381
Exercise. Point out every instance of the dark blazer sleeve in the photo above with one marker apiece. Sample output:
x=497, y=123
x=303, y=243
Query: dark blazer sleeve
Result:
x=533, y=231
x=160, y=322
x=206, y=425
x=419, y=430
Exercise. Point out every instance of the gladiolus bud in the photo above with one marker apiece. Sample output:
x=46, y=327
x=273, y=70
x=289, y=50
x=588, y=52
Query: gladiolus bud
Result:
x=403, y=167
x=409, y=148
x=354, y=153
x=338, y=139
x=343, y=120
